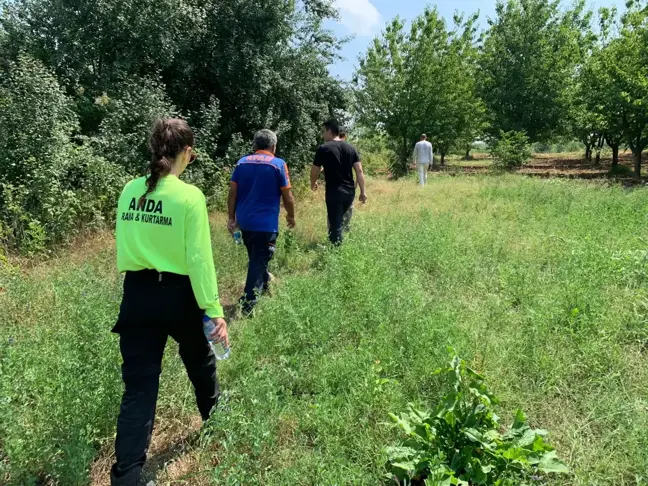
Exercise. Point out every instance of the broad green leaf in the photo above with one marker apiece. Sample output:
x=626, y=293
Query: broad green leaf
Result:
x=551, y=463
x=520, y=420
x=473, y=435
x=528, y=438
x=403, y=424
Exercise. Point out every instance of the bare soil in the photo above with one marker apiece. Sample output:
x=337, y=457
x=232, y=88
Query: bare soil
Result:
x=560, y=166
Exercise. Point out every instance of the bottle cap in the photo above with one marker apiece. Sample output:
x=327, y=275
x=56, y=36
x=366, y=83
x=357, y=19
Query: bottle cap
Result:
x=206, y=319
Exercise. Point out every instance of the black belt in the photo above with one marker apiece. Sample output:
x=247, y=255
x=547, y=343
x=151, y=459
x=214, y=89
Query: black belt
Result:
x=155, y=276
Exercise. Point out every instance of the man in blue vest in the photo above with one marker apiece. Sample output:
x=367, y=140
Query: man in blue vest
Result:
x=259, y=183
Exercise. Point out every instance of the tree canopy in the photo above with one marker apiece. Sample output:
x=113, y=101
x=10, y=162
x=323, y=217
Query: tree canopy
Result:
x=421, y=81
x=230, y=67
x=531, y=53
x=540, y=71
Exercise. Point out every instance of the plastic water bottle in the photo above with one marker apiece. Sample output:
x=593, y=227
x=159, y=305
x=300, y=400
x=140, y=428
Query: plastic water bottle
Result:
x=221, y=351
x=238, y=237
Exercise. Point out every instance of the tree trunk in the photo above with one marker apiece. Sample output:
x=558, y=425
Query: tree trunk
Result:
x=588, y=152
x=615, y=154
x=404, y=166
x=637, y=161
x=443, y=159
x=467, y=157
x=599, y=148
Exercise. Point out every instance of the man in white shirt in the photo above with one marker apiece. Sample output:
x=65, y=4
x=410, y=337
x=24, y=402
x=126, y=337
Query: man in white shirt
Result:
x=423, y=158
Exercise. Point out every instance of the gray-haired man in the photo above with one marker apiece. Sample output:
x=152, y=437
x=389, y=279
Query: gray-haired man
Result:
x=258, y=184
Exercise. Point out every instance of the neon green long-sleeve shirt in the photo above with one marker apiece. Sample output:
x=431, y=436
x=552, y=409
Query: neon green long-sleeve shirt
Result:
x=170, y=233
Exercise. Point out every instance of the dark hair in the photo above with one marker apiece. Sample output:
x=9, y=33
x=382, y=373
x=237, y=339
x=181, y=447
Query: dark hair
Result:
x=169, y=137
x=333, y=126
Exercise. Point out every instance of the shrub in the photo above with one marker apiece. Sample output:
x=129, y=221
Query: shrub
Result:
x=208, y=127
x=130, y=113
x=511, y=150
x=376, y=157
x=50, y=188
x=461, y=443
x=620, y=170
x=36, y=121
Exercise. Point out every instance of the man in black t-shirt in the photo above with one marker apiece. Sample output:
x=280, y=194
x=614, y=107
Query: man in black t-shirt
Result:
x=339, y=160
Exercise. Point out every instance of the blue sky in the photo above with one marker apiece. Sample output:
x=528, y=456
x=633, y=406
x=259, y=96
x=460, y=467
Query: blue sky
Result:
x=364, y=19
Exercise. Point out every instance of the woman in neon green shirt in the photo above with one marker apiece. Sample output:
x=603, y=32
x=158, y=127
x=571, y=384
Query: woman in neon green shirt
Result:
x=164, y=248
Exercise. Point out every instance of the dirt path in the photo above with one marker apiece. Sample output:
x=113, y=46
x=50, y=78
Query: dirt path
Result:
x=552, y=166
x=174, y=456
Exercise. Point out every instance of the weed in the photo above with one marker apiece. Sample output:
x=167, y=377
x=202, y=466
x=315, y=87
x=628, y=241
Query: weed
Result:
x=460, y=442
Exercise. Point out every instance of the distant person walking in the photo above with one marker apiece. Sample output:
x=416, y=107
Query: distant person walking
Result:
x=338, y=159
x=258, y=184
x=423, y=157
x=164, y=248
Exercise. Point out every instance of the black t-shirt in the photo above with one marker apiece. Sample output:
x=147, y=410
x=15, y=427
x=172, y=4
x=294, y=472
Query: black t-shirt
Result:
x=337, y=158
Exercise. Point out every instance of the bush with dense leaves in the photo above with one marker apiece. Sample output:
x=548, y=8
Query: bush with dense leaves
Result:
x=228, y=67
x=511, y=150
x=131, y=108
x=50, y=187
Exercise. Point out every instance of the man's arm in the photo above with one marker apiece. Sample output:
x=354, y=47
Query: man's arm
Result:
x=286, y=194
x=361, y=181
x=289, y=204
x=315, y=172
x=231, y=206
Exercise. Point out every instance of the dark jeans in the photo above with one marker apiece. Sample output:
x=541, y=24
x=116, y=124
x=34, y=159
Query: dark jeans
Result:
x=261, y=248
x=337, y=204
x=154, y=307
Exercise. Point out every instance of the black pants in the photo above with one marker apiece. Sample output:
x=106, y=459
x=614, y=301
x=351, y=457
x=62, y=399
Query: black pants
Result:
x=154, y=307
x=337, y=204
x=261, y=248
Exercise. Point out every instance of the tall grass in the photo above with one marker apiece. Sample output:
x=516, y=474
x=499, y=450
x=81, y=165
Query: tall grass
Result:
x=541, y=285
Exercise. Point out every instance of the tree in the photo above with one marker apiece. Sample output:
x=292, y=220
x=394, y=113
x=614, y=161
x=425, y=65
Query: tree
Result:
x=384, y=93
x=265, y=62
x=49, y=186
x=529, y=58
x=267, y=67
x=626, y=62
x=419, y=82
x=452, y=105
x=596, y=114
x=230, y=67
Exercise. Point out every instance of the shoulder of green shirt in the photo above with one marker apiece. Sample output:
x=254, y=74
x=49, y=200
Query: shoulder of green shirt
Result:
x=134, y=182
x=193, y=196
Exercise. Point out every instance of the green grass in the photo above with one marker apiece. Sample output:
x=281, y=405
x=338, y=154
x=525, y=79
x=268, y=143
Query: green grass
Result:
x=542, y=285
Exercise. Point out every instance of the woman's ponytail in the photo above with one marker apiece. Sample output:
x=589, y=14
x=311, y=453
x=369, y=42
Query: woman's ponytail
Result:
x=169, y=137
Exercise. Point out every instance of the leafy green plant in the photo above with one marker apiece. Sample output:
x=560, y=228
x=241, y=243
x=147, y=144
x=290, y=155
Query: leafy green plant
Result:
x=511, y=150
x=462, y=443
x=51, y=187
